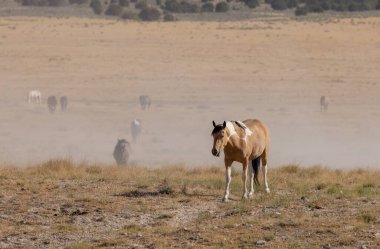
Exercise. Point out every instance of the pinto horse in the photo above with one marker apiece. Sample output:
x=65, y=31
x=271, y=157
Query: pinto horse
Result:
x=243, y=142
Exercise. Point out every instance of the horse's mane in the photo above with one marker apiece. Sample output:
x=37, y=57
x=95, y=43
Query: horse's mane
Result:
x=238, y=124
x=219, y=127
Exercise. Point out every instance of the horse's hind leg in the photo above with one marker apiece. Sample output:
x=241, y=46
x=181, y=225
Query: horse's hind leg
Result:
x=264, y=158
x=254, y=173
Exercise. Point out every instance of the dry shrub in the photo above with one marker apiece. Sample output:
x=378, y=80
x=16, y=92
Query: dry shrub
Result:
x=346, y=240
x=114, y=10
x=207, y=7
x=141, y=5
x=96, y=6
x=251, y=3
x=165, y=188
x=368, y=216
x=54, y=3
x=169, y=17
x=222, y=7
x=278, y=4
x=301, y=11
x=79, y=2
x=130, y=15
x=320, y=186
x=35, y=2
x=150, y=14
x=181, y=7
x=124, y=3
x=57, y=3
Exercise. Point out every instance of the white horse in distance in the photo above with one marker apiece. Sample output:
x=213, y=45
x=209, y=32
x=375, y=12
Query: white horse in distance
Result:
x=136, y=129
x=34, y=97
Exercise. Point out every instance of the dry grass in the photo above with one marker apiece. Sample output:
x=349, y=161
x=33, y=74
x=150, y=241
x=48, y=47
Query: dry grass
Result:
x=59, y=204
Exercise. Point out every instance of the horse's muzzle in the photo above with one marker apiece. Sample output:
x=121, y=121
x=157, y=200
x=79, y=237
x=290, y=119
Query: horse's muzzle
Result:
x=215, y=152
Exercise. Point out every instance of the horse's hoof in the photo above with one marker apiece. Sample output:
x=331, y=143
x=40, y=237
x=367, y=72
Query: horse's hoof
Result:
x=244, y=197
x=267, y=190
x=250, y=195
x=225, y=200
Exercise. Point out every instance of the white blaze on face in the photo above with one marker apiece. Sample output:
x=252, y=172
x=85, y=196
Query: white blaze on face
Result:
x=136, y=122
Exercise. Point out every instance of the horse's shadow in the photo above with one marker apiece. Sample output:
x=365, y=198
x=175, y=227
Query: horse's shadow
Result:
x=169, y=192
x=139, y=193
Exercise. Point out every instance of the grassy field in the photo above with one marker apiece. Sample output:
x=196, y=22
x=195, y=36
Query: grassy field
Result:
x=61, y=205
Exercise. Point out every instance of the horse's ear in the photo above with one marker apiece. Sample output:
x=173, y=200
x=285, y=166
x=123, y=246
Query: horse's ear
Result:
x=213, y=123
x=224, y=124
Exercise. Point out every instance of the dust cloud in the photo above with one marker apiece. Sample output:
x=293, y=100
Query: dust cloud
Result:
x=177, y=131
x=217, y=82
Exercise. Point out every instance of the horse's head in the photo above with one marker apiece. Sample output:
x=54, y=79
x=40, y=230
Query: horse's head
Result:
x=121, y=143
x=220, y=138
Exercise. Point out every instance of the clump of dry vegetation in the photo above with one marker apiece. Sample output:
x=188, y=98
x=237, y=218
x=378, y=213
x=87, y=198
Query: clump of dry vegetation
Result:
x=150, y=14
x=62, y=204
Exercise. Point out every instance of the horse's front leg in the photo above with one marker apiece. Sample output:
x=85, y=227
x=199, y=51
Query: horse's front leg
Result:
x=251, y=175
x=244, y=178
x=227, y=163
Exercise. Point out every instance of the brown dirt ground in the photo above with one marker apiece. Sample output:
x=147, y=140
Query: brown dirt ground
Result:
x=60, y=205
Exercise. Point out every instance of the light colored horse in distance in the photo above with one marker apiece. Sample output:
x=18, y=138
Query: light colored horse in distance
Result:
x=242, y=142
x=135, y=129
x=324, y=101
x=34, y=97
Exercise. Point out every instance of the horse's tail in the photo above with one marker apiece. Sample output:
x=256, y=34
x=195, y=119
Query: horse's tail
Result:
x=256, y=167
